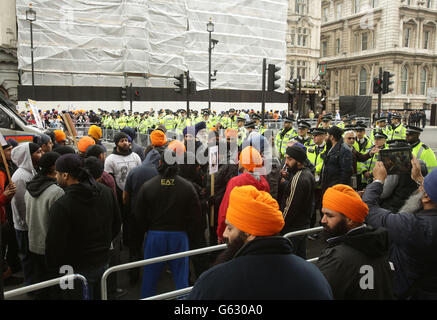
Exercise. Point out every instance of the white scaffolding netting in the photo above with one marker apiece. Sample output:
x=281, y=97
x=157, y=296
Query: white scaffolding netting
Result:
x=96, y=42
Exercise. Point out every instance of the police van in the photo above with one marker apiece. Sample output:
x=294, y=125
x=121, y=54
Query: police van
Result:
x=12, y=125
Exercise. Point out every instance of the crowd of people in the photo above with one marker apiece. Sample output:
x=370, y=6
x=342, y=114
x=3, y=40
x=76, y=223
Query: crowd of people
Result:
x=81, y=206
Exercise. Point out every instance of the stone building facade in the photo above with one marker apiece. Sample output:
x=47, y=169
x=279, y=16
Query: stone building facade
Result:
x=303, y=48
x=8, y=50
x=360, y=36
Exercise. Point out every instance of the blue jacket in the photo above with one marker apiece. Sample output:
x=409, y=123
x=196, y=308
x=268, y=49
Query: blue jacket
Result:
x=413, y=241
x=337, y=166
x=264, y=268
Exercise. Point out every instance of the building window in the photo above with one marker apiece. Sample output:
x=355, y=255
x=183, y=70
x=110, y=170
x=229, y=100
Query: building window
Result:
x=292, y=70
x=325, y=14
x=404, y=80
x=292, y=36
x=363, y=82
x=423, y=81
x=324, y=48
x=301, y=6
x=375, y=3
x=357, y=6
x=338, y=11
x=302, y=69
x=364, y=38
x=407, y=34
x=429, y=4
x=336, y=87
x=302, y=37
x=338, y=46
x=426, y=40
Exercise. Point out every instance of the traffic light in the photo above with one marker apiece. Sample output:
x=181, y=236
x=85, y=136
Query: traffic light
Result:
x=137, y=95
x=179, y=83
x=123, y=93
x=377, y=85
x=273, y=77
x=386, y=83
x=192, y=86
x=292, y=84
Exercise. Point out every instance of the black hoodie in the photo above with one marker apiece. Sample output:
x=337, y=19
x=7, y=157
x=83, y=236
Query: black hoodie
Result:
x=82, y=224
x=356, y=265
x=39, y=184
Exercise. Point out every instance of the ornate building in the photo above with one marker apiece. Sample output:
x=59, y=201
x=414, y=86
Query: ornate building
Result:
x=360, y=36
x=8, y=50
x=303, y=47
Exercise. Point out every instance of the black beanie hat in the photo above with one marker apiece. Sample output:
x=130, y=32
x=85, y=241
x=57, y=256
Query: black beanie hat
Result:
x=69, y=163
x=33, y=147
x=118, y=136
x=297, y=153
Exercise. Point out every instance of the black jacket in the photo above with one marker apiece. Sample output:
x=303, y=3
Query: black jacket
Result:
x=337, y=166
x=347, y=260
x=82, y=224
x=297, y=213
x=262, y=269
x=413, y=240
x=169, y=204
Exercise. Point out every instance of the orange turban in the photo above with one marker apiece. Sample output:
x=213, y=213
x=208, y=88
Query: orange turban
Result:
x=84, y=143
x=95, y=132
x=59, y=135
x=254, y=212
x=342, y=198
x=158, y=138
x=231, y=133
x=177, y=147
x=250, y=159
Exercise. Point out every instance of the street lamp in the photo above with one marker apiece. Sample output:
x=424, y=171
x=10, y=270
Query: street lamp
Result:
x=31, y=17
x=212, y=43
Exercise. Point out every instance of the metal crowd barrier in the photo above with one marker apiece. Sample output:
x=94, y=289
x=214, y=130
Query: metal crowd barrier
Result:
x=177, y=293
x=50, y=283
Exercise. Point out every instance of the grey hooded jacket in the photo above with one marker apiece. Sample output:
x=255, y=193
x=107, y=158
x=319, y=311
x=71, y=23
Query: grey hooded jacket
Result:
x=22, y=158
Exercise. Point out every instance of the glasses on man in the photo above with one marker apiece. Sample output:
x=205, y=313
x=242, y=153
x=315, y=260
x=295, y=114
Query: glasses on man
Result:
x=351, y=138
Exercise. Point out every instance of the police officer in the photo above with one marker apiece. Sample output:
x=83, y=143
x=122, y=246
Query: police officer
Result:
x=258, y=126
x=419, y=149
x=242, y=132
x=326, y=122
x=380, y=125
x=284, y=136
x=398, y=131
x=380, y=144
x=302, y=133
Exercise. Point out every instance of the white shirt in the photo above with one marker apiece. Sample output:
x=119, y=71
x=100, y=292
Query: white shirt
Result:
x=120, y=166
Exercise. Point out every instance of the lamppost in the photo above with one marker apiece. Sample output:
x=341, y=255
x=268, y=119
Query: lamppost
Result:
x=212, y=43
x=31, y=17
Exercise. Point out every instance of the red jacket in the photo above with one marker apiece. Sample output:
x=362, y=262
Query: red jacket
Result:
x=3, y=199
x=241, y=180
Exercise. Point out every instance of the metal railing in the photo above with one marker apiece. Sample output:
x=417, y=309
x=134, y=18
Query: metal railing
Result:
x=143, y=263
x=181, y=292
x=50, y=283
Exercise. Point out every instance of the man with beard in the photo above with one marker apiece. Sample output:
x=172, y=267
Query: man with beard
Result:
x=258, y=264
x=82, y=224
x=297, y=201
x=412, y=234
x=338, y=162
x=354, y=250
x=45, y=142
